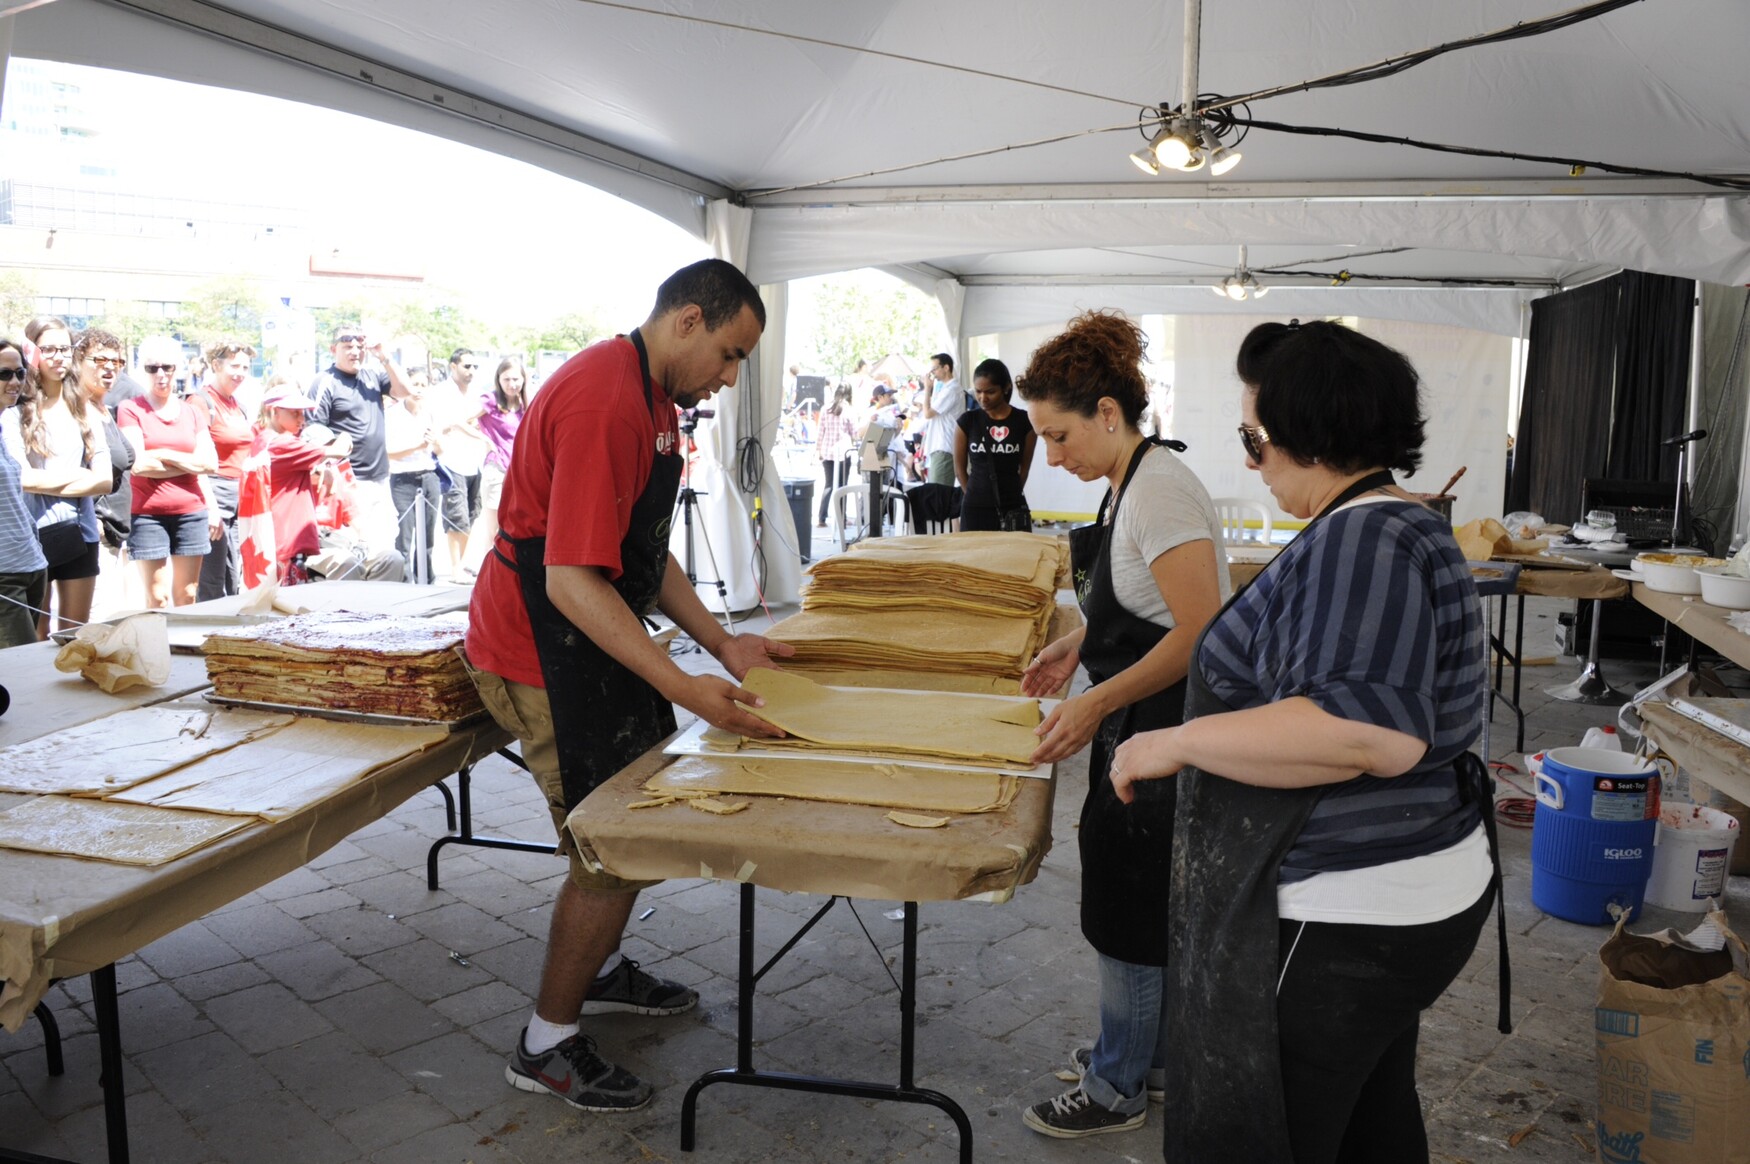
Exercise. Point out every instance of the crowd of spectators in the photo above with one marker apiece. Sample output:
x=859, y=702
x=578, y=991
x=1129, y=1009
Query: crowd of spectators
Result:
x=183, y=478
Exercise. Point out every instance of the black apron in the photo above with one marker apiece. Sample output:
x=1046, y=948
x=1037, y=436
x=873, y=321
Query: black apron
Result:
x=1224, y=1068
x=1126, y=849
x=604, y=715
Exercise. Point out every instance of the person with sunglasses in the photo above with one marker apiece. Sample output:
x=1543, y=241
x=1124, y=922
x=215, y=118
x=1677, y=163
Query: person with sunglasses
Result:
x=100, y=382
x=174, y=518
x=350, y=399
x=461, y=451
x=1333, y=859
x=24, y=572
x=58, y=442
x=1148, y=575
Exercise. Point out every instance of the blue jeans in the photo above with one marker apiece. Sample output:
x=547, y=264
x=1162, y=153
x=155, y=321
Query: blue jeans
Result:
x=1133, y=1036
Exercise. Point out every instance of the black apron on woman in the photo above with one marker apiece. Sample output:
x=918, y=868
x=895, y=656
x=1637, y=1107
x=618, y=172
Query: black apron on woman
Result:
x=1224, y=1067
x=604, y=715
x=1126, y=848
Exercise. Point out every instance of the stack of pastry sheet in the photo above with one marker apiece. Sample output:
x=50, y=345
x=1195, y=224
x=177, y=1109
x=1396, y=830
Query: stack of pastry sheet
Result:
x=376, y=664
x=898, y=786
x=977, y=605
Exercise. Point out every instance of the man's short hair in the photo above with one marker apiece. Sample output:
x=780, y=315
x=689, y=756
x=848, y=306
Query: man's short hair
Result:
x=944, y=359
x=717, y=288
x=456, y=356
x=341, y=329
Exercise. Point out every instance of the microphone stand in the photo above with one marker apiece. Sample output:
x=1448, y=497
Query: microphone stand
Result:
x=1678, y=527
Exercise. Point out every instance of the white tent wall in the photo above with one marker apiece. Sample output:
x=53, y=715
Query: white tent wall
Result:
x=747, y=418
x=1464, y=375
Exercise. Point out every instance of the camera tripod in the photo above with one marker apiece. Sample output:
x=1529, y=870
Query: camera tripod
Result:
x=686, y=503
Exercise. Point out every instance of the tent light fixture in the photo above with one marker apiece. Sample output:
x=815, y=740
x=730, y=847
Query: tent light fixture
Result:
x=1181, y=142
x=1241, y=285
x=1144, y=160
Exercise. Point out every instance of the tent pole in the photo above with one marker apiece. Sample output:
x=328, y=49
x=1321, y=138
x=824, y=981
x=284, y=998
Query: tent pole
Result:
x=1193, y=35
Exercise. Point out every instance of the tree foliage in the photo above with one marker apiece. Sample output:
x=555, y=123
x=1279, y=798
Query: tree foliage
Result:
x=862, y=322
x=229, y=307
x=17, y=303
x=130, y=321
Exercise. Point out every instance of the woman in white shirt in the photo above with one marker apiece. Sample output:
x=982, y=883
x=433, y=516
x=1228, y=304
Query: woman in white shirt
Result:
x=413, y=475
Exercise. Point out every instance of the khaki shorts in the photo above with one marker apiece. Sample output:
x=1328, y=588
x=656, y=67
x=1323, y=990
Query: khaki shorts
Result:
x=524, y=712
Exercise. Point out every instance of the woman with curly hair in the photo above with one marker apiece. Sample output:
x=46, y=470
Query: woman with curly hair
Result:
x=1148, y=574
x=58, y=442
x=1333, y=863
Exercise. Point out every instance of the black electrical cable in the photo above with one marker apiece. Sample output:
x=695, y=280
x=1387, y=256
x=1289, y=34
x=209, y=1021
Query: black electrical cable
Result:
x=1721, y=180
x=1346, y=275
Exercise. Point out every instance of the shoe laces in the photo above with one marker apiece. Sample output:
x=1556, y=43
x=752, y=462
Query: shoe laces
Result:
x=1070, y=1102
x=580, y=1051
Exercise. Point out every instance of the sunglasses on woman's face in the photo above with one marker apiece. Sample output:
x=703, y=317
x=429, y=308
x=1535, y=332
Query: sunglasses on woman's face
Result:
x=154, y=369
x=114, y=362
x=11, y=374
x=1253, y=438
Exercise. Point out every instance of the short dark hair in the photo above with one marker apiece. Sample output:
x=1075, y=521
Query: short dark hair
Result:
x=997, y=373
x=944, y=359
x=91, y=339
x=456, y=356
x=350, y=328
x=718, y=289
x=1100, y=354
x=1329, y=394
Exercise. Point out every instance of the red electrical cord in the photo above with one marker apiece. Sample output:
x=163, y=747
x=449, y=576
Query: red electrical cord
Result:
x=1514, y=811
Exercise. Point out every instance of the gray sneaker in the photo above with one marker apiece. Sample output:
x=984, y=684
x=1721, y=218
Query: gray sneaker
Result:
x=1072, y=1115
x=628, y=990
x=1157, y=1077
x=577, y=1074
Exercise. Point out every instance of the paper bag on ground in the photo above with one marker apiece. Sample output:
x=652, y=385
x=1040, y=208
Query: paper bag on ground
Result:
x=1672, y=1031
x=135, y=652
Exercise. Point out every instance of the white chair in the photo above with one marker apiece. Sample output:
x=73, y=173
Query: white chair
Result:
x=857, y=495
x=1235, y=513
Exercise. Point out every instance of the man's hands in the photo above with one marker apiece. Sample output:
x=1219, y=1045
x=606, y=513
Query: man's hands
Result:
x=741, y=653
x=714, y=700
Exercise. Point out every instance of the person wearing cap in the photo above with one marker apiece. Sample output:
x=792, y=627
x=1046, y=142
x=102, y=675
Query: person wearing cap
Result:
x=292, y=464
x=350, y=399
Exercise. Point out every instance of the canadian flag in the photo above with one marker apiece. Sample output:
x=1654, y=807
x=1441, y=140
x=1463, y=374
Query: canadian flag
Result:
x=254, y=517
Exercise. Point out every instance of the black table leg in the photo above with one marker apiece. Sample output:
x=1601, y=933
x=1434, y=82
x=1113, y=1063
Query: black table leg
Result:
x=109, y=1050
x=51, y=1039
x=464, y=826
x=745, y=1073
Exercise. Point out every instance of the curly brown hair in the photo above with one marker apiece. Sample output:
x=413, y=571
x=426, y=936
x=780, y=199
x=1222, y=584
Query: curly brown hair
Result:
x=1100, y=354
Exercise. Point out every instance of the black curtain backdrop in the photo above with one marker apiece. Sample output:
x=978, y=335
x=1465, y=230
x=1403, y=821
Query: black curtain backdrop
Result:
x=1564, y=412
x=1653, y=340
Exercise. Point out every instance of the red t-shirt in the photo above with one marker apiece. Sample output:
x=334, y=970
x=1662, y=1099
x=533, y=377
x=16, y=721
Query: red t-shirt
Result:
x=231, y=431
x=166, y=496
x=291, y=496
x=582, y=457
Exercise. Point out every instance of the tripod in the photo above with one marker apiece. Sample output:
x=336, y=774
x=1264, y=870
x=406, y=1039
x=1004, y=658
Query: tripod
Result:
x=686, y=503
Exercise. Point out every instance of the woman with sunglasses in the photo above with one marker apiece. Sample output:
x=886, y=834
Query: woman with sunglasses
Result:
x=58, y=442
x=1332, y=865
x=174, y=519
x=24, y=572
x=1148, y=575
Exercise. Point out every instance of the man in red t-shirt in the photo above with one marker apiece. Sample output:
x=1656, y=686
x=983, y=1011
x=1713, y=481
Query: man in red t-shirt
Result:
x=583, y=547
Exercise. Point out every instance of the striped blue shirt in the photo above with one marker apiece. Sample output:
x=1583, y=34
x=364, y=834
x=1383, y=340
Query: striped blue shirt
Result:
x=20, y=551
x=1372, y=614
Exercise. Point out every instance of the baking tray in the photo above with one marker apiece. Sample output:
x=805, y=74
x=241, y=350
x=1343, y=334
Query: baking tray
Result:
x=345, y=716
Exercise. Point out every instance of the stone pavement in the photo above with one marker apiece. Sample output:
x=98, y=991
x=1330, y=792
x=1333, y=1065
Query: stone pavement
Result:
x=345, y=1013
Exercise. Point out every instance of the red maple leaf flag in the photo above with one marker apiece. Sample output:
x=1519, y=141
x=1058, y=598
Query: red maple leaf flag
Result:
x=254, y=517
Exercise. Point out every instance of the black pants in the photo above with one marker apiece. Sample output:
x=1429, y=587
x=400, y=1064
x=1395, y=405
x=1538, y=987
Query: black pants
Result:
x=840, y=467
x=222, y=568
x=1349, y=1010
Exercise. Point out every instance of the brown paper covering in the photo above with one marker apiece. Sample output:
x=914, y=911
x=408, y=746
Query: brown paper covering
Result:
x=810, y=847
x=1700, y=620
x=1596, y=582
x=45, y=700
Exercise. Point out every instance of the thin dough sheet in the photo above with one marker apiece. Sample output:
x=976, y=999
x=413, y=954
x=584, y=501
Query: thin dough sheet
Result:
x=881, y=785
x=125, y=749
x=934, y=724
x=124, y=834
x=285, y=773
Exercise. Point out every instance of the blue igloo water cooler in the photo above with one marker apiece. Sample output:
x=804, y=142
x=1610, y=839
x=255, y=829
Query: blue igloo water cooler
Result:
x=1592, y=833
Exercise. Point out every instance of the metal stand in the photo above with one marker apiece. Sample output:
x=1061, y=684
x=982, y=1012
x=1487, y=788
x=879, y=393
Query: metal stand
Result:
x=51, y=1039
x=744, y=1072
x=688, y=501
x=1591, y=686
x=464, y=835
x=109, y=1079
x=1498, y=644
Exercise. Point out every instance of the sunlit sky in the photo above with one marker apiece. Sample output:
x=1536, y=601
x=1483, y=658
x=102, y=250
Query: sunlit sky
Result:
x=489, y=228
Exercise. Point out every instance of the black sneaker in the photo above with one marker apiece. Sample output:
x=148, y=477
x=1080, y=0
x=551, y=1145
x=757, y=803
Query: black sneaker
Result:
x=1157, y=1076
x=575, y=1073
x=628, y=990
x=1073, y=1115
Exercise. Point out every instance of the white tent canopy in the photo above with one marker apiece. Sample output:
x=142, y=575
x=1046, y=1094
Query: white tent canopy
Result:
x=830, y=123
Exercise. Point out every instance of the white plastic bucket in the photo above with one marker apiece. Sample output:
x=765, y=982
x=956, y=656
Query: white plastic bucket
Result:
x=1690, y=857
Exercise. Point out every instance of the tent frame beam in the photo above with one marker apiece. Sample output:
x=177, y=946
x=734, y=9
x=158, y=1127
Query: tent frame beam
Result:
x=210, y=20
x=1351, y=190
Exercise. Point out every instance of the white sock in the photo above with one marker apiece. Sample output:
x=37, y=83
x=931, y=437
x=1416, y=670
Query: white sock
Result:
x=544, y=1036
x=610, y=964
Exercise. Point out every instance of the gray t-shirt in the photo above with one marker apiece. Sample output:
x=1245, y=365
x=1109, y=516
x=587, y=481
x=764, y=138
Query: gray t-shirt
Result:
x=1165, y=506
